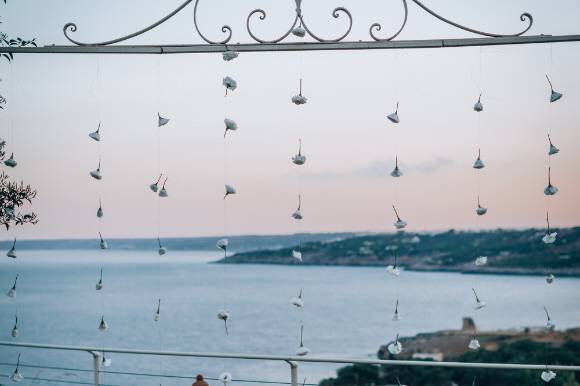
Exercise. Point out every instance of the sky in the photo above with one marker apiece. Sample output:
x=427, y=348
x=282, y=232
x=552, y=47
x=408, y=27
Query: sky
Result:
x=54, y=101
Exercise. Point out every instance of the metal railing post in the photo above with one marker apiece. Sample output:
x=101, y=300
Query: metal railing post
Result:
x=293, y=373
x=96, y=368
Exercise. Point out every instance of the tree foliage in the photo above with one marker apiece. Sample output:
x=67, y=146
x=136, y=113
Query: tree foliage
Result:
x=13, y=196
x=518, y=352
x=6, y=41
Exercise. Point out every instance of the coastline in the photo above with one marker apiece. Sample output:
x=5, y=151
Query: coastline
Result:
x=570, y=273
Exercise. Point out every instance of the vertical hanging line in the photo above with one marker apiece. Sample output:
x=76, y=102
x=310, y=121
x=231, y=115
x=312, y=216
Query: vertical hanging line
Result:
x=158, y=198
x=478, y=107
x=101, y=293
x=12, y=145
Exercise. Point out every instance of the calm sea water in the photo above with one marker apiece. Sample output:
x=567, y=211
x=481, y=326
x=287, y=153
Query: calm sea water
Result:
x=347, y=311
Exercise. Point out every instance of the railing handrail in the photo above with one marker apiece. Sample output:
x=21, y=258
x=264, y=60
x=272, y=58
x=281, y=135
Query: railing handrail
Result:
x=311, y=359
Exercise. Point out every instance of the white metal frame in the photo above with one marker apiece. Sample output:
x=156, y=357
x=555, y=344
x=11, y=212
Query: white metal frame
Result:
x=272, y=47
x=291, y=360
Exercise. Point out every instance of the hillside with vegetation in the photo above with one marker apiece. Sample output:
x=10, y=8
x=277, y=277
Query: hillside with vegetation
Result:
x=520, y=352
x=508, y=251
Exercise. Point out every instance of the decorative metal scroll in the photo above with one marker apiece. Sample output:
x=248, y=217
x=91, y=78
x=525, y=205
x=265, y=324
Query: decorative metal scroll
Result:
x=299, y=27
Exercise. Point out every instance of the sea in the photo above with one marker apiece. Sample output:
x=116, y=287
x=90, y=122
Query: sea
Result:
x=347, y=313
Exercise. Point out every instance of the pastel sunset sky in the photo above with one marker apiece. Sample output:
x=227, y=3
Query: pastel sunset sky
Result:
x=54, y=101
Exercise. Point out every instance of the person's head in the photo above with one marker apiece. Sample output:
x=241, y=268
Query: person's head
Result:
x=199, y=377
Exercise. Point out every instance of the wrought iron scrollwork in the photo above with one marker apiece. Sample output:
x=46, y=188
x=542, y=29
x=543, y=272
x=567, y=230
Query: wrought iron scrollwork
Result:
x=298, y=21
x=72, y=27
x=378, y=27
x=299, y=18
x=523, y=17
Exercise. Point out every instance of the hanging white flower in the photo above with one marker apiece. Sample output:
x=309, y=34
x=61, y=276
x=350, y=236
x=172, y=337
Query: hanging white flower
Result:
x=547, y=375
x=100, y=212
x=480, y=209
x=481, y=260
x=474, y=344
x=399, y=224
x=396, y=316
x=230, y=84
x=393, y=270
x=297, y=215
x=99, y=285
x=163, y=192
x=478, y=164
x=478, y=106
x=158, y=311
x=549, y=238
x=224, y=315
x=550, y=190
x=17, y=375
x=394, y=117
x=12, y=251
x=395, y=348
x=299, y=99
x=229, y=190
x=298, y=300
x=297, y=254
x=302, y=350
x=15, y=331
x=162, y=250
x=154, y=187
x=478, y=303
x=12, y=291
x=161, y=121
x=96, y=174
x=225, y=378
x=103, y=243
x=96, y=135
x=223, y=244
x=11, y=162
x=103, y=325
x=396, y=171
x=554, y=95
x=230, y=125
x=106, y=361
x=299, y=159
x=550, y=326
x=299, y=31
x=229, y=55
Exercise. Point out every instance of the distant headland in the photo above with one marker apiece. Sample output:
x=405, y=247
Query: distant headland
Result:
x=507, y=251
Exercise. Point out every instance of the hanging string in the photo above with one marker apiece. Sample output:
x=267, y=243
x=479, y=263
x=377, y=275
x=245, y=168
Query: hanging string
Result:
x=478, y=176
x=225, y=313
x=101, y=291
x=158, y=199
x=299, y=226
x=13, y=146
x=396, y=181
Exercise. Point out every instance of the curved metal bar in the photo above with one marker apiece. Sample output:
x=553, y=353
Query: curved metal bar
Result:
x=377, y=27
x=262, y=17
x=72, y=27
x=523, y=17
x=335, y=14
x=225, y=28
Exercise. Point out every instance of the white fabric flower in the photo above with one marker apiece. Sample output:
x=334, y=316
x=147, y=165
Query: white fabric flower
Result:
x=394, y=117
x=474, y=344
x=229, y=55
x=548, y=375
x=481, y=260
x=11, y=162
x=96, y=135
x=161, y=121
x=478, y=106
